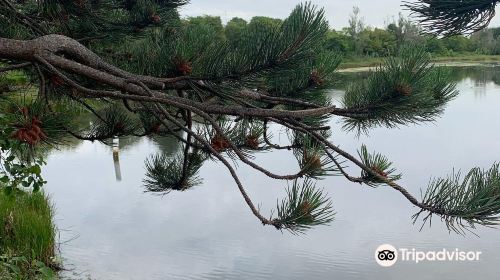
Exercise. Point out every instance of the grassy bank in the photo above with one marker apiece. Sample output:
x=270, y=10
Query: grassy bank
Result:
x=468, y=58
x=357, y=62
x=27, y=236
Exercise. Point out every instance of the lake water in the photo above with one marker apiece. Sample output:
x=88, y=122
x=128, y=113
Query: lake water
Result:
x=113, y=230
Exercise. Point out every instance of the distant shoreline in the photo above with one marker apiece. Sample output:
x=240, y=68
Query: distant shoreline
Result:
x=365, y=64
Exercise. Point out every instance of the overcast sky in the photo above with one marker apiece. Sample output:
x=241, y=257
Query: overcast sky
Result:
x=375, y=12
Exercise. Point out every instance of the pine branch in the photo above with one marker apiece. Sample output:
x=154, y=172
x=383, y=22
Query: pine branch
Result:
x=380, y=165
x=303, y=208
x=404, y=89
x=165, y=174
x=113, y=121
x=449, y=18
x=466, y=203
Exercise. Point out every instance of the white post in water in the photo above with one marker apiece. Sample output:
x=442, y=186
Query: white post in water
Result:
x=116, y=158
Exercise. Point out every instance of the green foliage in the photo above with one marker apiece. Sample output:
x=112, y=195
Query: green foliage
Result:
x=112, y=121
x=202, y=48
x=25, y=111
x=267, y=52
x=379, y=42
x=263, y=22
x=27, y=236
x=245, y=135
x=211, y=22
x=337, y=42
x=468, y=202
x=17, y=170
x=299, y=64
x=486, y=41
x=307, y=81
x=380, y=165
x=20, y=175
x=19, y=268
x=314, y=163
x=453, y=17
x=165, y=174
x=376, y=42
x=304, y=207
x=234, y=30
x=109, y=18
x=436, y=46
x=404, y=89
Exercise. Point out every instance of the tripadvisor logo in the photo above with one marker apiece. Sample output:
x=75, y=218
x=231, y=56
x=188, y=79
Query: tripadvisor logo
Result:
x=387, y=255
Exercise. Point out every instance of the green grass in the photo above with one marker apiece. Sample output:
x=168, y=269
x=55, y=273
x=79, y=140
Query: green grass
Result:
x=27, y=236
x=356, y=62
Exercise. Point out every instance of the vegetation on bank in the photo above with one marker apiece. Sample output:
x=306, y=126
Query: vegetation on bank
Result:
x=356, y=62
x=27, y=232
x=27, y=236
x=361, y=45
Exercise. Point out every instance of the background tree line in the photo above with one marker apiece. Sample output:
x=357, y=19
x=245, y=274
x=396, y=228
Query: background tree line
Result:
x=361, y=40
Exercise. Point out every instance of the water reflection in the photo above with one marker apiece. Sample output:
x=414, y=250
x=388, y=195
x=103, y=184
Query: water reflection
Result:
x=480, y=76
x=116, y=158
x=168, y=145
x=208, y=232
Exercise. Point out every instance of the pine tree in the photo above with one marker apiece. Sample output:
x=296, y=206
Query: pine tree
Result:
x=140, y=70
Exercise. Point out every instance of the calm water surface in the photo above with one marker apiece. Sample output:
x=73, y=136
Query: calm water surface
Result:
x=113, y=230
